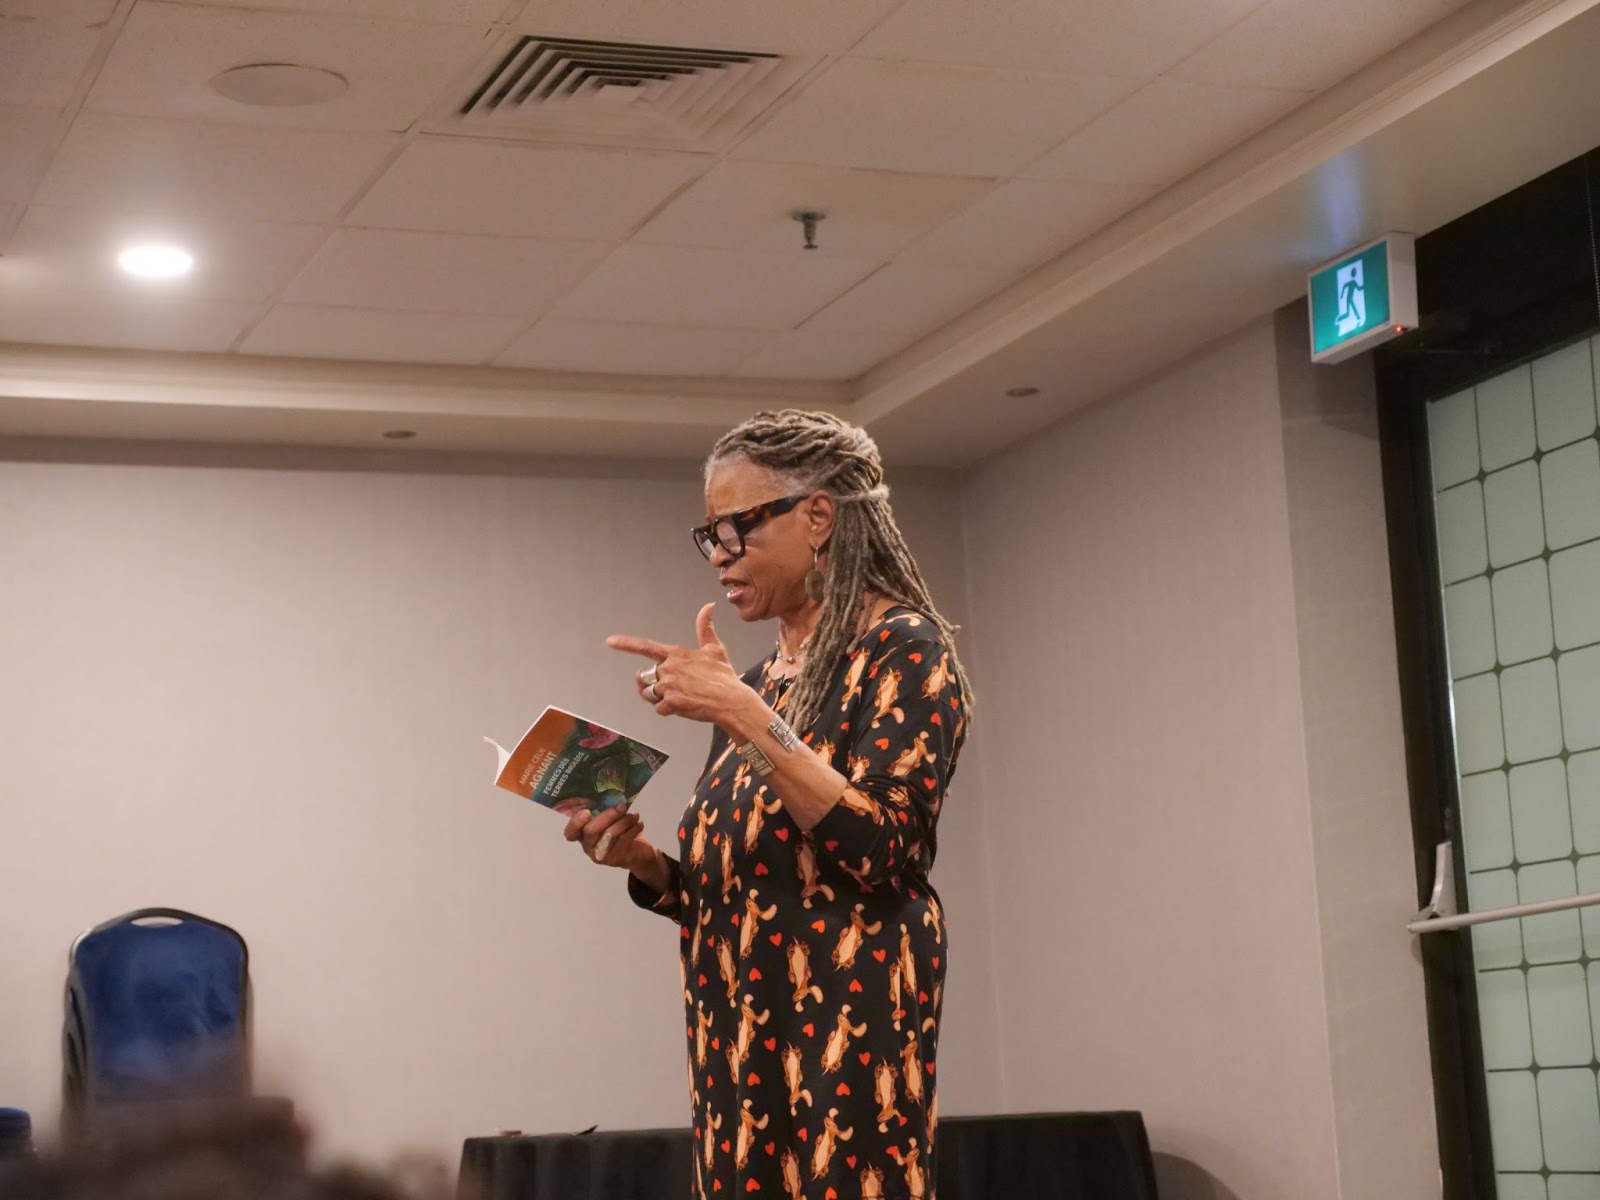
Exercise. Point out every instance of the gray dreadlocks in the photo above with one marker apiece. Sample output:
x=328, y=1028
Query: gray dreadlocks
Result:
x=819, y=452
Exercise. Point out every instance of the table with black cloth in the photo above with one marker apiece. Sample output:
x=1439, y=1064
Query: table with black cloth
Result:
x=1055, y=1156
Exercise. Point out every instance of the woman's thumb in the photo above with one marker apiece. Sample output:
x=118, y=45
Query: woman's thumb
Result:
x=706, y=629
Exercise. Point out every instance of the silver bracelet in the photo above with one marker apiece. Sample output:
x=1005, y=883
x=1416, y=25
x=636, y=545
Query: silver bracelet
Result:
x=756, y=757
x=783, y=735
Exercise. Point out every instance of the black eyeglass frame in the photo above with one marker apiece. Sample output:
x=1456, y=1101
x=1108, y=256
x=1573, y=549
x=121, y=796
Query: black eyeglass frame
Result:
x=735, y=527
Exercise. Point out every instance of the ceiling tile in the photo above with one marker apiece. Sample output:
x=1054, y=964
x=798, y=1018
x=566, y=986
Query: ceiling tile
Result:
x=1309, y=44
x=907, y=299
x=469, y=11
x=931, y=118
x=791, y=27
x=443, y=273
x=27, y=136
x=313, y=332
x=75, y=250
x=1025, y=223
x=43, y=61
x=812, y=354
x=83, y=13
x=1136, y=39
x=1163, y=133
x=750, y=206
x=521, y=190
x=167, y=54
x=221, y=170
x=555, y=344
x=149, y=320
x=661, y=285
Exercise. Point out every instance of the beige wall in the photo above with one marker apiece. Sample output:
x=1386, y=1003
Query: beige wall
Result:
x=257, y=691
x=1154, y=890
x=1355, y=749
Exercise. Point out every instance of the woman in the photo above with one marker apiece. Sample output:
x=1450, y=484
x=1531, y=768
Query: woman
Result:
x=813, y=947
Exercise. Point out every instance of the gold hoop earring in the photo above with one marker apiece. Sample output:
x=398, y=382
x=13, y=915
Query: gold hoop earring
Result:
x=816, y=581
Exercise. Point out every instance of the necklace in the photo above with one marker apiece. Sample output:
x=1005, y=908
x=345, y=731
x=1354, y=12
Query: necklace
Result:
x=800, y=651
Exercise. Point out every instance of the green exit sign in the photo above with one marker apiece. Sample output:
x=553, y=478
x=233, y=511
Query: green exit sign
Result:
x=1363, y=298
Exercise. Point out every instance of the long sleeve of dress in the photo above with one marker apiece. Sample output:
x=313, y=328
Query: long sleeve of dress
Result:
x=904, y=735
x=668, y=903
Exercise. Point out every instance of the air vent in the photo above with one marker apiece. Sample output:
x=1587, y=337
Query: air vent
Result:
x=571, y=89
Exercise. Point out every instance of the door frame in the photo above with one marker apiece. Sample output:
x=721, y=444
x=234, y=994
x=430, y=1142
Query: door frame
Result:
x=1502, y=285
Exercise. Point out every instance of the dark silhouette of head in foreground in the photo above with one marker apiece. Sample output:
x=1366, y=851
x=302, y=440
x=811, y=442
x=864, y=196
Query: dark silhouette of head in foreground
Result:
x=215, y=1152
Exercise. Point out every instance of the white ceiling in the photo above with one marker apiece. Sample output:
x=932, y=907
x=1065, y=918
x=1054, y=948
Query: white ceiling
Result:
x=994, y=176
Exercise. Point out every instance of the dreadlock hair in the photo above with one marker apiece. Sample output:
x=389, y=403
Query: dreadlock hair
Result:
x=819, y=452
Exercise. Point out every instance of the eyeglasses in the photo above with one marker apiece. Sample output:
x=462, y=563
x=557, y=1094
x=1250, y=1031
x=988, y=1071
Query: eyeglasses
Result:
x=730, y=531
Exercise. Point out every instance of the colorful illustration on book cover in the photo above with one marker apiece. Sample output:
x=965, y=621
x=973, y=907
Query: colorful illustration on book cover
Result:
x=569, y=764
x=596, y=768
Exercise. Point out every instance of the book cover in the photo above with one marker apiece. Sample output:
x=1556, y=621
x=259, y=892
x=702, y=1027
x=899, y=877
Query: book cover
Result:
x=568, y=763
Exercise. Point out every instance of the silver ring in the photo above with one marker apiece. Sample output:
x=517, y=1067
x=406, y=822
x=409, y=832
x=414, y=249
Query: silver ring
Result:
x=648, y=676
x=651, y=694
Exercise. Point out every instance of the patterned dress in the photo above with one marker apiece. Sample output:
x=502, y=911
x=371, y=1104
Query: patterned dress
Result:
x=813, y=963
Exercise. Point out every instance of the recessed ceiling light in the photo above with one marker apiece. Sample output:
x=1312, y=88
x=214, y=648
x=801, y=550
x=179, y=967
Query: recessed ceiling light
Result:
x=155, y=261
x=279, y=85
x=1018, y=393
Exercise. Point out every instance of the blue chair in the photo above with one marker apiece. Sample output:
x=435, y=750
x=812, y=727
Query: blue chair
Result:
x=157, y=1009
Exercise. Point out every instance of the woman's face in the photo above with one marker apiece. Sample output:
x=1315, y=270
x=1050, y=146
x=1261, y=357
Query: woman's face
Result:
x=768, y=579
